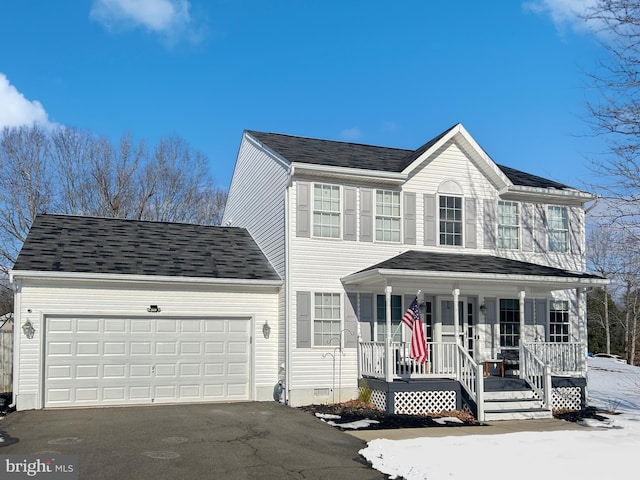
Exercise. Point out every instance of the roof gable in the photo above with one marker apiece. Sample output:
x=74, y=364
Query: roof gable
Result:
x=331, y=153
x=62, y=243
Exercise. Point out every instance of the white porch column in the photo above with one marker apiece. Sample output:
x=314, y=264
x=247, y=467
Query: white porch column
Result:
x=456, y=315
x=582, y=327
x=388, y=350
x=521, y=296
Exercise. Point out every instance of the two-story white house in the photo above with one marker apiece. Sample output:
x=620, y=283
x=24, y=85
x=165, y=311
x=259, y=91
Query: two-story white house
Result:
x=301, y=292
x=496, y=257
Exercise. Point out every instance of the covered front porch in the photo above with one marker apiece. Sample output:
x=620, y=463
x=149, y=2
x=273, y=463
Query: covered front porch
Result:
x=500, y=334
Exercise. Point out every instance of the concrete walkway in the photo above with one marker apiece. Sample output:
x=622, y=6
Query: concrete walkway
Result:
x=490, y=428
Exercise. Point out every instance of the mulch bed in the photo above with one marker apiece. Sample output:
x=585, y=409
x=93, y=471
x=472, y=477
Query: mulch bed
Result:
x=576, y=415
x=356, y=410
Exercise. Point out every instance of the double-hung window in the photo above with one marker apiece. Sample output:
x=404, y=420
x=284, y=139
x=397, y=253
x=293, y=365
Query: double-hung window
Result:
x=326, y=319
x=509, y=322
x=450, y=220
x=508, y=225
x=326, y=211
x=387, y=216
x=558, y=227
x=559, y=321
x=396, y=317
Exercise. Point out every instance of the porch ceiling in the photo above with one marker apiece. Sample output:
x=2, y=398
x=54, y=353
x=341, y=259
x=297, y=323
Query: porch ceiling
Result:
x=469, y=270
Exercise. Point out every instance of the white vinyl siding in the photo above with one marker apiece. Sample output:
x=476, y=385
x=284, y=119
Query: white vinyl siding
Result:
x=326, y=319
x=387, y=216
x=450, y=220
x=256, y=201
x=508, y=225
x=326, y=211
x=558, y=229
x=46, y=299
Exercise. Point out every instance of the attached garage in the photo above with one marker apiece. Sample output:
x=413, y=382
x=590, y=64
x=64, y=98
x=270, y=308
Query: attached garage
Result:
x=107, y=331
x=121, y=361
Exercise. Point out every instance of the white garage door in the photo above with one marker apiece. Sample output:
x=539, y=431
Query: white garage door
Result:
x=121, y=361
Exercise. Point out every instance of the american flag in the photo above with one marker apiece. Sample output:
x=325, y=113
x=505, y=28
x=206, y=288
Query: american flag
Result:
x=413, y=320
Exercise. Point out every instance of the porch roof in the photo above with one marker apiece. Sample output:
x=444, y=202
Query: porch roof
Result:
x=463, y=268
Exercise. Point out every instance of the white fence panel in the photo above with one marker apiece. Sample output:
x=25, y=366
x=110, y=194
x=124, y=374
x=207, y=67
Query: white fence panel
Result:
x=6, y=361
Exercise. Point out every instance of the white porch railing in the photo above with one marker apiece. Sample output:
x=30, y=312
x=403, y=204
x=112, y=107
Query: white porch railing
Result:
x=441, y=361
x=565, y=359
x=537, y=373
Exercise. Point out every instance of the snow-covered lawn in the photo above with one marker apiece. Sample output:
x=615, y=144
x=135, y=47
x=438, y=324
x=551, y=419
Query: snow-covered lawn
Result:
x=602, y=453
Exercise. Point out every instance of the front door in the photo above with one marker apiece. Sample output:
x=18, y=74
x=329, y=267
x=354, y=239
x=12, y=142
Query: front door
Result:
x=466, y=323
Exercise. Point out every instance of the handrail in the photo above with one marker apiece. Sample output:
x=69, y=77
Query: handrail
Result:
x=537, y=373
x=472, y=380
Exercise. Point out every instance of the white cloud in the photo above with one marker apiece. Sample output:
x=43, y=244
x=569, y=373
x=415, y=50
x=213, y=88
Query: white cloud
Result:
x=564, y=13
x=17, y=110
x=351, y=134
x=168, y=18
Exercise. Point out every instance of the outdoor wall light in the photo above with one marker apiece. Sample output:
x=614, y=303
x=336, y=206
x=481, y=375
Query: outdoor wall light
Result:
x=153, y=309
x=266, y=330
x=483, y=308
x=28, y=329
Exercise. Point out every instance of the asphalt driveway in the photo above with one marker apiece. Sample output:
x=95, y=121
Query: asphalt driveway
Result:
x=217, y=441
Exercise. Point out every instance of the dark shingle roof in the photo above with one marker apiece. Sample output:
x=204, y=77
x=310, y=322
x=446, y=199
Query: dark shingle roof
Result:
x=62, y=243
x=415, y=260
x=369, y=157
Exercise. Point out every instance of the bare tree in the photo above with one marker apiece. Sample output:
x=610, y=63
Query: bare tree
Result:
x=73, y=172
x=605, y=259
x=26, y=187
x=614, y=112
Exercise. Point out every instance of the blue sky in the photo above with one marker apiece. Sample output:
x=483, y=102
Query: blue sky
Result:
x=377, y=72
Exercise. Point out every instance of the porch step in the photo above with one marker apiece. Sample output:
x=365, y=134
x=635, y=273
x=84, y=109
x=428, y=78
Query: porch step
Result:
x=521, y=404
x=531, y=414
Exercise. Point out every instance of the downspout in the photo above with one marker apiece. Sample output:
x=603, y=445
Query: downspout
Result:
x=287, y=294
x=595, y=203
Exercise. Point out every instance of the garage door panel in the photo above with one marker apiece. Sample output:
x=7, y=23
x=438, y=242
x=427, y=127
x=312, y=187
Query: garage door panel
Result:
x=166, y=326
x=165, y=370
x=87, y=371
x=60, y=348
x=87, y=348
x=166, y=348
x=86, y=395
x=141, y=326
x=214, y=347
x=140, y=371
x=141, y=348
x=88, y=325
x=112, y=361
x=115, y=325
x=114, y=371
x=56, y=372
x=114, y=393
x=140, y=393
x=115, y=348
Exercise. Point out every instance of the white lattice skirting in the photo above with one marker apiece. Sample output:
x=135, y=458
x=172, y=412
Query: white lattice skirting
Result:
x=379, y=399
x=422, y=403
x=567, y=398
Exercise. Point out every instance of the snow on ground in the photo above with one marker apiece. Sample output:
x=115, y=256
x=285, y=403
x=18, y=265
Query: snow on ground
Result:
x=591, y=454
